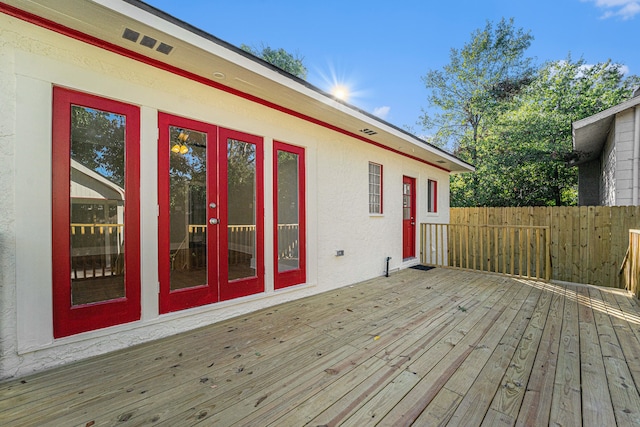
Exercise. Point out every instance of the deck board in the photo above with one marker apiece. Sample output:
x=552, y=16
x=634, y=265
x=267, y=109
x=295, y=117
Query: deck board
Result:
x=566, y=406
x=438, y=347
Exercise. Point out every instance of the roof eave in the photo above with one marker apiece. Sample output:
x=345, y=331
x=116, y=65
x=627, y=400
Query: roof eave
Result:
x=590, y=134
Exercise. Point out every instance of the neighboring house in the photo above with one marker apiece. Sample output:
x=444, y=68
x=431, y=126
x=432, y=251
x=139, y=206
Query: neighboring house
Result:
x=607, y=147
x=157, y=179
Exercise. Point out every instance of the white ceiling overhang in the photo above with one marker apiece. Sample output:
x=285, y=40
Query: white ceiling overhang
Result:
x=200, y=56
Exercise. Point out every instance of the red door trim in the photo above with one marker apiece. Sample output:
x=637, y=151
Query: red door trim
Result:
x=298, y=276
x=190, y=297
x=408, y=226
x=250, y=285
x=68, y=319
x=80, y=36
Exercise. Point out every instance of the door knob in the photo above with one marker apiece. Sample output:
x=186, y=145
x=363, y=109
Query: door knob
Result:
x=213, y=221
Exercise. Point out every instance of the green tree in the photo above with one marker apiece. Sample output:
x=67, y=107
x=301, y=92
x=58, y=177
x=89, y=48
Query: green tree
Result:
x=490, y=68
x=469, y=91
x=98, y=142
x=523, y=158
x=292, y=64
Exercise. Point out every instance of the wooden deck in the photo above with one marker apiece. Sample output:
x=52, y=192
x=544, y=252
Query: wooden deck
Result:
x=440, y=347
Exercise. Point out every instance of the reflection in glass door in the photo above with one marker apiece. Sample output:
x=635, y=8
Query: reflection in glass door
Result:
x=210, y=223
x=242, y=194
x=187, y=208
x=289, y=213
x=95, y=235
x=97, y=222
x=241, y=209
x=187, y=183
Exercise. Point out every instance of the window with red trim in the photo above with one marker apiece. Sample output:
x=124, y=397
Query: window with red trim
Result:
x=432, y=196
x=96, y=221
x=289, y=214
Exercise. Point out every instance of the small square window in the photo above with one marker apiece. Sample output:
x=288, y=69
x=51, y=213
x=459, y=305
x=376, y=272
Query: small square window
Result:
x=432, y=196
x=375, y=188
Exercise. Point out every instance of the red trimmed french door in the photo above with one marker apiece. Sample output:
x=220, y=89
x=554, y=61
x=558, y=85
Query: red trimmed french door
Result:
x=210, y=195
x=408, y=217
x=95, y=212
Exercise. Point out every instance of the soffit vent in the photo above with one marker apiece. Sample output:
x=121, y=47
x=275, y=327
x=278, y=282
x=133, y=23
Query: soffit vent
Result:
x=130, y=35
x=164, y=48
x=442, y=162
x=368, y=131
x=146, y=41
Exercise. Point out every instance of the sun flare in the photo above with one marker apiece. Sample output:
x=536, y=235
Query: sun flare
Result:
x=340, y=92
x=339, y=84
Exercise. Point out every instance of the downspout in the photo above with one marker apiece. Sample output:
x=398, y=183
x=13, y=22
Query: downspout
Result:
x=636, y=157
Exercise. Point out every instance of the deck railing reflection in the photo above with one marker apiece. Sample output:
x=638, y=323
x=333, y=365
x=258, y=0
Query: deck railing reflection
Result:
x=97, y=249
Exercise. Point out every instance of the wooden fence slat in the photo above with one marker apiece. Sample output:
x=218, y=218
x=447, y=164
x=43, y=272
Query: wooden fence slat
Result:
x=604, y=263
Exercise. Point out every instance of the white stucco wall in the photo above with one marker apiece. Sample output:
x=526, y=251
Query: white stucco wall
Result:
x=8, y=343
x=35, y=59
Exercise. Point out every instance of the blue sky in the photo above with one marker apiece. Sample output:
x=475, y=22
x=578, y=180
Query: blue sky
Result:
x=381, y=49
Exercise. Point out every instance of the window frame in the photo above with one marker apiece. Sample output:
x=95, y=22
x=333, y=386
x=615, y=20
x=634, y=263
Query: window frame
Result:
x=297, y=276
x=380, y=187
x=432, y=196
x=67, y=318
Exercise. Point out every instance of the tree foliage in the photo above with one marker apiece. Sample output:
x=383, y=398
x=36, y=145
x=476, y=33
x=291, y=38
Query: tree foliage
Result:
x=490, y=68
x=292, y=64
x=97, y=142
x=515, y=126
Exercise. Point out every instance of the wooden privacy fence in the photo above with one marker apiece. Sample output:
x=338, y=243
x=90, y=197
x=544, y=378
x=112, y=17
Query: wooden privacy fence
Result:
x=587, y=243
x=631, y=266
x=521, y=251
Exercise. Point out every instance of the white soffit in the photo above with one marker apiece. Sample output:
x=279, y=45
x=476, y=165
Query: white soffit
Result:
x=590, y=133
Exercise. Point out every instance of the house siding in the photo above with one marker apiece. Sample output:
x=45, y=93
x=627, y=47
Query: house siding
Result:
x=624, y=131
x=35, y=59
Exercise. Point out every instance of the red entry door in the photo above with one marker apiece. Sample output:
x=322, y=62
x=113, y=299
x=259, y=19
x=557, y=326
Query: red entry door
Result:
x=210, y=227
x=408, y=217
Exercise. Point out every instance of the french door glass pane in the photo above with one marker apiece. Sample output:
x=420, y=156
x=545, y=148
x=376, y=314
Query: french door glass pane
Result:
x=406, y=201
x=288, y=212
x=241, y=205
x=97, y=205
x=187, y=208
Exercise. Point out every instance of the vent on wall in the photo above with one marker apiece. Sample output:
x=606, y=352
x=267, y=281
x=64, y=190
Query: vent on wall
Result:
x=368, y=131
x=146, y=41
